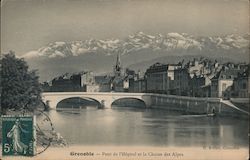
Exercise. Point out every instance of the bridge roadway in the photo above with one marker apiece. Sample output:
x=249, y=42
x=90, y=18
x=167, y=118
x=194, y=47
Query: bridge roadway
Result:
x=103, y=98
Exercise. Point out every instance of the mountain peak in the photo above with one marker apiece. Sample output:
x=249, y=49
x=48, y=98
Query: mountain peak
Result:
x=171, y=42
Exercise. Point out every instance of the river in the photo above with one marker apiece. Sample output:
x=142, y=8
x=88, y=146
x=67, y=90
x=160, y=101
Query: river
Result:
x=148, y=127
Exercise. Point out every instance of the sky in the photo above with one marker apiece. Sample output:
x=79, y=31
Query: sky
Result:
x=30, y=24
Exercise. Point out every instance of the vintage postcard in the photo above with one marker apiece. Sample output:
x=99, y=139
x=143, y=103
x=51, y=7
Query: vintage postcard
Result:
x=124, y=79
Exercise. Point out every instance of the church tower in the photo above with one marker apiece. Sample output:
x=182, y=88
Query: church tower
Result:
x=118, y=67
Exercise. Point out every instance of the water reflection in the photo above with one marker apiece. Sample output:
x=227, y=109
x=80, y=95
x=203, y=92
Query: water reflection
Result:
x=151, y=127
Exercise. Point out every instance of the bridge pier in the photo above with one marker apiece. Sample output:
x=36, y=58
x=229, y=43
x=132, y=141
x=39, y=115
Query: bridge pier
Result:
x=106, y=104
x=51, y=104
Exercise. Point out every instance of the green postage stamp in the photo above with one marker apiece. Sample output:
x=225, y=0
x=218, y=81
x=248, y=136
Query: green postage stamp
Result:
x=18, y=135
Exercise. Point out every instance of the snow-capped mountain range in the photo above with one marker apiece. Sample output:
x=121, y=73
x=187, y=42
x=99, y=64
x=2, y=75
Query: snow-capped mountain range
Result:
x=139, y=49
x=171, y=42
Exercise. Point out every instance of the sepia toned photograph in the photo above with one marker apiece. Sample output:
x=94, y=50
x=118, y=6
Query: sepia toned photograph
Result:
x=124, y=79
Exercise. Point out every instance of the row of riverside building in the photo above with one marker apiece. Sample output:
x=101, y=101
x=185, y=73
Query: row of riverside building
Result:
x=196, y=78
x=199, y=78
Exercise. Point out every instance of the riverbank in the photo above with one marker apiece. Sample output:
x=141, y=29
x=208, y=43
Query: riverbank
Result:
x=198, y=105
x=140, y=152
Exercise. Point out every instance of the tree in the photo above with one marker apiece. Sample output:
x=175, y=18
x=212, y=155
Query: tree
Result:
x=20, y=87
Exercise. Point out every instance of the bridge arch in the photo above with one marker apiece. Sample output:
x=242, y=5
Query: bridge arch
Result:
x=129, y=102
x=77, y=101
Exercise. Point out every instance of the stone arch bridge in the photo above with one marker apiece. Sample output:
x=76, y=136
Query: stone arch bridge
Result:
x=104, y=98
x=187, y=104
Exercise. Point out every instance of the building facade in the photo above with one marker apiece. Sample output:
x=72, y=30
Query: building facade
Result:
x=241, y=85
x=221, y=84
x=72, y=82
x=139, y=86
x=104, y=83
x=181, y=82
x=160, y=78
x=200, y=86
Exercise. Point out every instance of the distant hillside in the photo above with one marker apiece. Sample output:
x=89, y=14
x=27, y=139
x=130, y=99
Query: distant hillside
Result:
x=139, y=51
